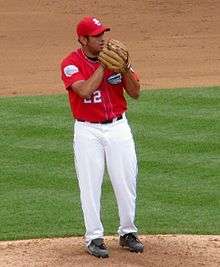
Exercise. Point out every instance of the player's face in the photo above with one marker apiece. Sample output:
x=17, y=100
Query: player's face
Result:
x=95, y=43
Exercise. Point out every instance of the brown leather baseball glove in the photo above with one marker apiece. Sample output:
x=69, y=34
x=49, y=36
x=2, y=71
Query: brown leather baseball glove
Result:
x=115, y=56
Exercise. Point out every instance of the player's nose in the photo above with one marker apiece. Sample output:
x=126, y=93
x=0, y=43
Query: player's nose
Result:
x=102, y=37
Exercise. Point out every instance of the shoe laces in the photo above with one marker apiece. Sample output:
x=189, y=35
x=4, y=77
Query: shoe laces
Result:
x=132, y=238
x=102, y=246
x=100, y=243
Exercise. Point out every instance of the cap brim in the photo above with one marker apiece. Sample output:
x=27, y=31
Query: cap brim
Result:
x=100, y=31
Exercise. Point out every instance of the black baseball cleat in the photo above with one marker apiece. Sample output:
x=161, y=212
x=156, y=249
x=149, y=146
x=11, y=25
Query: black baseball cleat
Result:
x=98, y=248
x=132, y=242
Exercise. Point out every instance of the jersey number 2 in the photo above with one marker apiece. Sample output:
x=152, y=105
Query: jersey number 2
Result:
x=95, y=98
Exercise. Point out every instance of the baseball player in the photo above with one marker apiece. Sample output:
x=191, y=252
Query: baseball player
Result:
x=96, y=75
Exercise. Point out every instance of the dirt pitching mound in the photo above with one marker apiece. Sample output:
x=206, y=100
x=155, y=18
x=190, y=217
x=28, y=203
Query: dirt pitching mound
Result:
x=160, y=250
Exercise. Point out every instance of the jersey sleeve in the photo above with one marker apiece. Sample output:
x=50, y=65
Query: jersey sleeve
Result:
x=70, y=73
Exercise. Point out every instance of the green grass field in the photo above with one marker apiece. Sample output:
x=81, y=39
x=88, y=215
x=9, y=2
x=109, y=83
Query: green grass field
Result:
x=177, y=134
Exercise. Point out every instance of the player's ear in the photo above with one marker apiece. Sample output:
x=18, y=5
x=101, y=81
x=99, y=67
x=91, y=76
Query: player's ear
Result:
x=83, y=40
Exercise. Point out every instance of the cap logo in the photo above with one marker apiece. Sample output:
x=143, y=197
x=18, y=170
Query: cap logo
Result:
x=96, y=21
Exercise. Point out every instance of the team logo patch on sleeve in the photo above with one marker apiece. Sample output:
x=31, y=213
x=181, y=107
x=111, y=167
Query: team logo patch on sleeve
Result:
x=115, y=79
x=70, y=70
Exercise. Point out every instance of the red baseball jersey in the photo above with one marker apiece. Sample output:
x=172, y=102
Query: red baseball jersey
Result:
x=106, y=102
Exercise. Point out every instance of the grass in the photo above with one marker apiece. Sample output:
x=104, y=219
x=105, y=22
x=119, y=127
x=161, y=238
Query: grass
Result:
x=178, y=147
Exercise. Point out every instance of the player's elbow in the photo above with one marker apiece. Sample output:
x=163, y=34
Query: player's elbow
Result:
x=135, y=95
x=134, y=92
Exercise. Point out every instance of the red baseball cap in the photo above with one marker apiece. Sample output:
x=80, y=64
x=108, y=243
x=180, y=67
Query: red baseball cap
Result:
x=90, y=26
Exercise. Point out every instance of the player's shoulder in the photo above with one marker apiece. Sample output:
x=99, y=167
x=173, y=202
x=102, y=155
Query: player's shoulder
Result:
x=72, y=57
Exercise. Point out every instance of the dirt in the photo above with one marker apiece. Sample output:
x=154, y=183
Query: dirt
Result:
x=160, y=250
x=172, y=44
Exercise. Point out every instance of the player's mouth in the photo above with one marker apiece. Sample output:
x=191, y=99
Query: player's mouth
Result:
x=102, y=45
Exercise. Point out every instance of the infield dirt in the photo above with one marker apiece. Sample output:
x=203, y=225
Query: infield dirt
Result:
x=172, y=44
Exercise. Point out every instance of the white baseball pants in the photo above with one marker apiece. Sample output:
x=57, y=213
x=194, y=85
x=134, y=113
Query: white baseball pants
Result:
x=97, y=144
